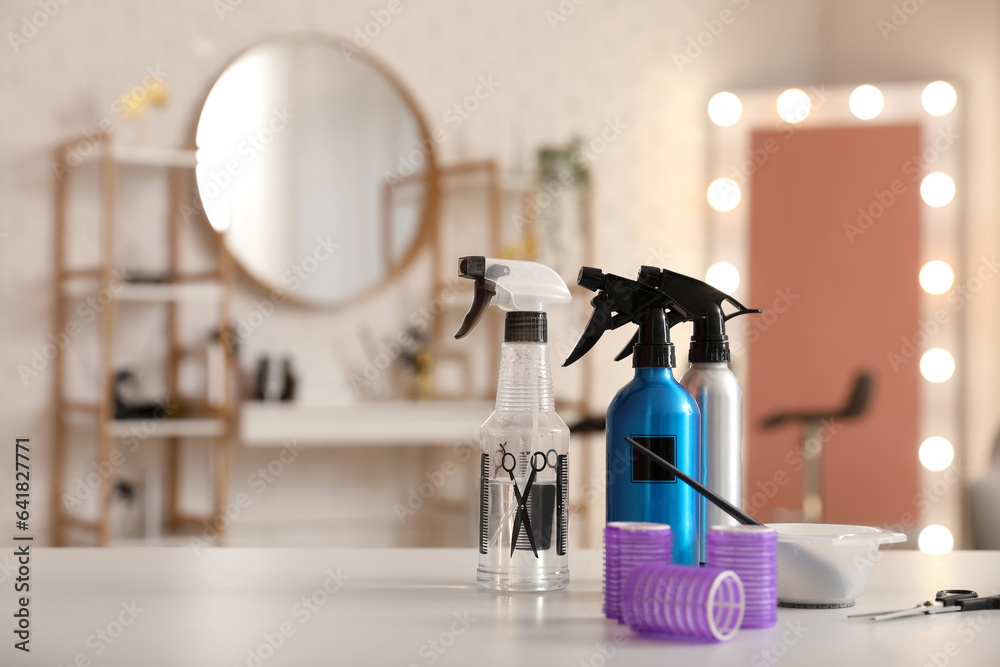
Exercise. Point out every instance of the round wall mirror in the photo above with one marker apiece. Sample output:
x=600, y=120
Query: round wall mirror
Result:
x=316, y=168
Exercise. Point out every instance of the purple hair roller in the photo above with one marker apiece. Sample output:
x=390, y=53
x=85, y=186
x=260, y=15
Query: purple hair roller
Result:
x=626, y=545
x=751, y=552
x=683, y=601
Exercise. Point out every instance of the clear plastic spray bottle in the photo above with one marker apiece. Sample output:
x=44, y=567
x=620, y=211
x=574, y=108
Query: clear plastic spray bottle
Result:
x=524, y=458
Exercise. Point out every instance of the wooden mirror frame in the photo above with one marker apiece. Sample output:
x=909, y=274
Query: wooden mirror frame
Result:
x=427, y=225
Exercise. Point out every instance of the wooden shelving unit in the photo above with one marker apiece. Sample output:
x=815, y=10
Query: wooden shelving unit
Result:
x=213, y=421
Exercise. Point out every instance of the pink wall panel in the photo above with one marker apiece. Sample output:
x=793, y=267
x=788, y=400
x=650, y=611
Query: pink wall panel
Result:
x=840, y=291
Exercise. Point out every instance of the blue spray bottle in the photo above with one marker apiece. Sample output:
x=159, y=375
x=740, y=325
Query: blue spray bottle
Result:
x=653, y=409
x=713, y=386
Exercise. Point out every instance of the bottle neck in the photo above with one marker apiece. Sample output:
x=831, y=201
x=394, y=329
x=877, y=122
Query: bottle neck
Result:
x=709, y=352
x=710, y=342
x=653, y=348
x=525, y=383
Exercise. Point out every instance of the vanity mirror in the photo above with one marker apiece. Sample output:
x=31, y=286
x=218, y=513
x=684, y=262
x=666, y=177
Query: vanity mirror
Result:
x=316, y=168
x=841, y=209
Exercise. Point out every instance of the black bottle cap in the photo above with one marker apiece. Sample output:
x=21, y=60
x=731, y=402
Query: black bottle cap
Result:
x=525, y=327
x=710, y=344
x=654, y=349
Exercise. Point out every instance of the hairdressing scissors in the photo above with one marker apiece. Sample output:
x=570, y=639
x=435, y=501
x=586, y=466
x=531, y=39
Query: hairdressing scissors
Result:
x=944, y=601
x=539, y=461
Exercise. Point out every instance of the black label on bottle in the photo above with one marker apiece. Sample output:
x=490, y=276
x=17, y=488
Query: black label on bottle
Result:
x=562, y=505
x=540, y=511
x=645, y=470
x=484, y=503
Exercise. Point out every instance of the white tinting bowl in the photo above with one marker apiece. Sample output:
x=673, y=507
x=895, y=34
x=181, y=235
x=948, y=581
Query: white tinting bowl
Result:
x=826, y=565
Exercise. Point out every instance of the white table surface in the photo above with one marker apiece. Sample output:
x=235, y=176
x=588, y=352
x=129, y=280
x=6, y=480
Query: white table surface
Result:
x=215, y=606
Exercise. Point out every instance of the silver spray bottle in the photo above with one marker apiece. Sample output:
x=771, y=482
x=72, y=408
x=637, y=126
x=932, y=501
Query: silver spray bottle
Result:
x=713, y=386
x=717, y=392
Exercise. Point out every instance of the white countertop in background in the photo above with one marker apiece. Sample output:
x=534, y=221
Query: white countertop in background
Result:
x=395, y=423
x=221, y=607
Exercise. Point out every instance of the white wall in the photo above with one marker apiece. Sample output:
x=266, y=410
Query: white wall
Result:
x=606, y=61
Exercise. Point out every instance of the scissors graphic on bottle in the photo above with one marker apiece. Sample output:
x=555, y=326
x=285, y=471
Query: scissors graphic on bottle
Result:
x=539, y=461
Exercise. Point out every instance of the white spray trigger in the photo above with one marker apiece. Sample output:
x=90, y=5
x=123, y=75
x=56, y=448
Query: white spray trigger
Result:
x=525, y=286
x=509, y=284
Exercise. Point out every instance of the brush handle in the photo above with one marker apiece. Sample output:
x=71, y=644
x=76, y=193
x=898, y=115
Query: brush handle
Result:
x=719, y=502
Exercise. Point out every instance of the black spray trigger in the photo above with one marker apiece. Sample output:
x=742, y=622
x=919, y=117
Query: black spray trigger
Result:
x=601, y=319
x=709, y=342
x=742, y=311
x=474, y=268
x=621, y=301
x=627, y=350
x=690, y=292
x=485, y=290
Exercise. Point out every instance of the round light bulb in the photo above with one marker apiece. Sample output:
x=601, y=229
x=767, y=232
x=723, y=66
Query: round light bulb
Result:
x=935, y=539
x=794, y=105
x=936, y=277
x=936, y=453
x=937, y=189
x=723, y=276
x=866, y=102
x=938, y=98
x=937, y=365
x=723, y=194
x=724, y=109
